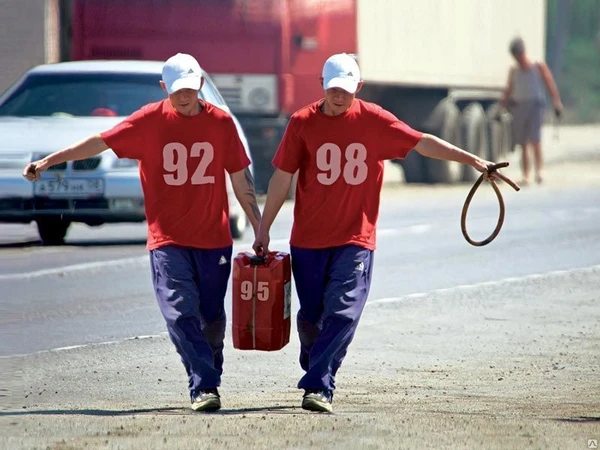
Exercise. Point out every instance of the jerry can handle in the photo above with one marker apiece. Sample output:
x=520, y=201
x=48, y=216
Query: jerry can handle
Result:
x=258, y=260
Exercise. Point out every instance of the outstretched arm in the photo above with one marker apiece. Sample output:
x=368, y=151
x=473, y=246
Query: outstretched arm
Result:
x=434, y=147
x=243, y=187
x=279, y=186
x=81, y=150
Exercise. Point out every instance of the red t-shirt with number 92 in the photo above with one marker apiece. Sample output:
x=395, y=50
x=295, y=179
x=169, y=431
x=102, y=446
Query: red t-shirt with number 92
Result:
x=340, y=171
x=182, y=162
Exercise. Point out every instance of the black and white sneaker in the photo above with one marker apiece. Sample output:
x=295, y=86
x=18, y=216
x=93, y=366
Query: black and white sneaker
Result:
x=207, y=400
x=316, y=400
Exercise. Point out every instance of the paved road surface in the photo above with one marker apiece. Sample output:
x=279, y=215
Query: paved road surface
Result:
x=459, y=347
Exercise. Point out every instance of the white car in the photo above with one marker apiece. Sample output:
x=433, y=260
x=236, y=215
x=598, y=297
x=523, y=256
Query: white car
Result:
x=52, y=106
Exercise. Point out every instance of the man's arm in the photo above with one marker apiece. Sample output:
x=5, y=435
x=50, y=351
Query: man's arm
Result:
x=243, y=187
x=81, y=150
x=279, y=186
x=434, y=147
x=551, y=86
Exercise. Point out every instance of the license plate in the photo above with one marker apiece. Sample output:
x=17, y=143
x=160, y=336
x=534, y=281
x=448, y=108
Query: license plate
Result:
x=69, y=187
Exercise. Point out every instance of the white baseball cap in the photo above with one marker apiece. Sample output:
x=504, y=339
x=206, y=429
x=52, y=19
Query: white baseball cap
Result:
x=181, y=71
x=341, y=71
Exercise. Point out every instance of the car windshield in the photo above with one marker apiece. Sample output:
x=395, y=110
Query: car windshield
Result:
x=89, y=94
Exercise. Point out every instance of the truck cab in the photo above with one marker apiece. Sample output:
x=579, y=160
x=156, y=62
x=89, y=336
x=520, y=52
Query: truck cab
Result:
x=265, y=56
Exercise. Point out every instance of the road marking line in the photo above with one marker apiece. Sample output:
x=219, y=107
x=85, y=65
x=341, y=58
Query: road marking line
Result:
x=100, y=264
x=72, y=347
x=385, y=300
x=535, y=276
x=74, y=268
x=415, y=229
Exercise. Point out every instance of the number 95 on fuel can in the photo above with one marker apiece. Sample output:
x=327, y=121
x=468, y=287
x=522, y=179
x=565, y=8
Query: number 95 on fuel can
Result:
x=261, y=301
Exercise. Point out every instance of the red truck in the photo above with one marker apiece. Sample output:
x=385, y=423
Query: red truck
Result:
x=438, y=65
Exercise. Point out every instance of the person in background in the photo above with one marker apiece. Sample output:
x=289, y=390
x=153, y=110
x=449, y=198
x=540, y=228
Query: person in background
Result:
x=184, y=146
x=524, y=96
x=338, y=146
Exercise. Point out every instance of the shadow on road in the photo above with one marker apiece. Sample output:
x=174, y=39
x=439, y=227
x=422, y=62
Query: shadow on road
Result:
x=24, y=244
x=150, y=411
x=580, y=419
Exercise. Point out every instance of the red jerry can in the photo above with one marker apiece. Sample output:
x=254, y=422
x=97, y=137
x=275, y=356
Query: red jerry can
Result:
x=261, y=301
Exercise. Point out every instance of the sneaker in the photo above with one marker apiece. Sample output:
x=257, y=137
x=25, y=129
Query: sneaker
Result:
x=316, y=400
x=207, y=400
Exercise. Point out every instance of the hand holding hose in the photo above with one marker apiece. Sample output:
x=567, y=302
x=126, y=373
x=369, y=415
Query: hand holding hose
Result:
x=490, y=173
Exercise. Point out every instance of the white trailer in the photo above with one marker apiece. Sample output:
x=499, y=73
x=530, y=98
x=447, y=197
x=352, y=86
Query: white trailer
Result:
x=441, y=65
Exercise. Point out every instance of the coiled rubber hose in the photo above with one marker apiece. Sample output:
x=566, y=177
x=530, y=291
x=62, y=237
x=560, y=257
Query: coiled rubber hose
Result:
x=463, y=219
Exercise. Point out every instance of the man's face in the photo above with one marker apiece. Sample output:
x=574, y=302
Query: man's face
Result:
x=337, y=100
x=519, y=57
x=184, y=101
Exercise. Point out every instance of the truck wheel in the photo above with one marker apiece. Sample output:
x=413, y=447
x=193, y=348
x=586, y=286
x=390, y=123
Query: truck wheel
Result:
x=52, y=230
x=238, y=225
x=495, y=132
x=414, y=168
x=445, y=123
x=500, y=132
x=475, y=132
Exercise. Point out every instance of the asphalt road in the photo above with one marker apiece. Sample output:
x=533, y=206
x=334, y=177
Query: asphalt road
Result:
x=97, y=288
x=459, y=347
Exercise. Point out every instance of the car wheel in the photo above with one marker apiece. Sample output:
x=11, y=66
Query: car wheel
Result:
x=52, y=230
x=238, y=225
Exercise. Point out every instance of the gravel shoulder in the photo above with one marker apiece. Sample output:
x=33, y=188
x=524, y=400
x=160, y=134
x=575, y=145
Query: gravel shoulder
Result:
x=512, y=364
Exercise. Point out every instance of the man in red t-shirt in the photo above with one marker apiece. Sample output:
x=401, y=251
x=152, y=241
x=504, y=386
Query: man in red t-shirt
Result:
x=337, y=145
x=184, y=146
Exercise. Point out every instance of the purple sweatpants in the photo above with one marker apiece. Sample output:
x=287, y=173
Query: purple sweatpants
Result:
x=190, y=286
x=332, y=286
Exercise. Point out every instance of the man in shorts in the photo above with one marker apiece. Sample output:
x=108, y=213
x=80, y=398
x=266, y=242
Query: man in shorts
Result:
x=525, y=97
x=184, y=145
x=338, y=146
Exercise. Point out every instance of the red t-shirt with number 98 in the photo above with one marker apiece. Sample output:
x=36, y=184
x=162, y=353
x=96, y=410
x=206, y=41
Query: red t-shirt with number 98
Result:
x=340, y=171
x=182, y=163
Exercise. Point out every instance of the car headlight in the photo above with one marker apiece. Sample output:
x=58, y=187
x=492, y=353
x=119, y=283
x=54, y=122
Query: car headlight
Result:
x=125, y=163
